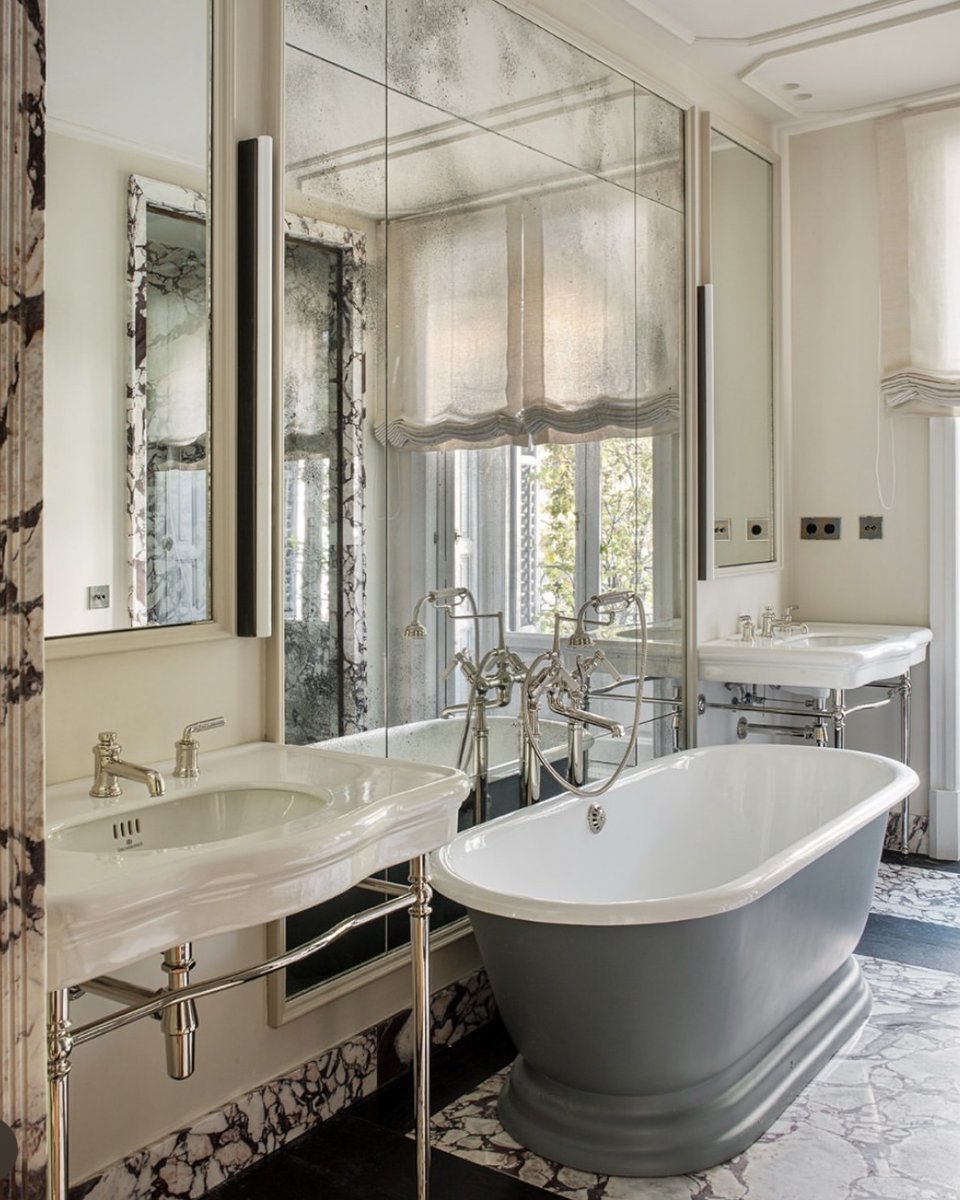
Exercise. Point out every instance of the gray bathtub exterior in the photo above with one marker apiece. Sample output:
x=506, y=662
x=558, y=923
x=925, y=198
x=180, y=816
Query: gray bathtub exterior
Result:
x=667, y=1048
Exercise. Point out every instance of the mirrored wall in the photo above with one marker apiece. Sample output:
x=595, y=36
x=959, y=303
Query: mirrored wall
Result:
x=483, y=384
x=126, y=377
x=739, y=519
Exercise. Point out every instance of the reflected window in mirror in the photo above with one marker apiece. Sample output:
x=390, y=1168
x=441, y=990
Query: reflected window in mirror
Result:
x=168, y=462
x=324, y=575
x=126, y=378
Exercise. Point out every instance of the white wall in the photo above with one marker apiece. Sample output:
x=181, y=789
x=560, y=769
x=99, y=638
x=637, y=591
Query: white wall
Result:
x=834, y=296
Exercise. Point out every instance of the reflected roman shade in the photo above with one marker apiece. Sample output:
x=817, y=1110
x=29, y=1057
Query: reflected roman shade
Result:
x=919, y=175
x=552, y=318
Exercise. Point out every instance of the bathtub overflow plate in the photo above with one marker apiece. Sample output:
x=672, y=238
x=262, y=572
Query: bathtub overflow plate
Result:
x=596, y=818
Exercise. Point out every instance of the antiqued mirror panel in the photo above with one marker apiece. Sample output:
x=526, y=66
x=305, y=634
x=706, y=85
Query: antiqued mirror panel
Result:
x=516, y=213
x=126, y=356
x=742, y=272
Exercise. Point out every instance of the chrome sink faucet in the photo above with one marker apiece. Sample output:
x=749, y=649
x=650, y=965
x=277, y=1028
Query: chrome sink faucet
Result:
x=108, y=766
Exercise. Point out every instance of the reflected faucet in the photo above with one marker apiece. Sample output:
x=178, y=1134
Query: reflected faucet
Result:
x=108, y=765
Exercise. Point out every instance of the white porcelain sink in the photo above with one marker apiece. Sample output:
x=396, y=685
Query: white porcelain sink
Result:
x=266, y=831
x=828, y=655
x=190, y=820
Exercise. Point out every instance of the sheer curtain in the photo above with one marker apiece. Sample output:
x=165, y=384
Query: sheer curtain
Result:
x=919, y=175
x=533, y=320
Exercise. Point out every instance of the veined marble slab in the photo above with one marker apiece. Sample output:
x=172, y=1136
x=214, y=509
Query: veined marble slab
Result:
x=880, y=1122
x=918, y=894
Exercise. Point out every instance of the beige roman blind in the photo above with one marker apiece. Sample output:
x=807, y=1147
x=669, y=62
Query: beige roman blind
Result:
x=547, y=318
x=919, y=178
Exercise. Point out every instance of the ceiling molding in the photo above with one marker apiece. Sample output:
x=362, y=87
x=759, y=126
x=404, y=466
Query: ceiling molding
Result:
x=780, y=33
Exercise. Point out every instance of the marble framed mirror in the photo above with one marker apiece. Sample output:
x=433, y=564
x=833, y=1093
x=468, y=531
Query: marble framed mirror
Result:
x=127, y=446
x=737, y=354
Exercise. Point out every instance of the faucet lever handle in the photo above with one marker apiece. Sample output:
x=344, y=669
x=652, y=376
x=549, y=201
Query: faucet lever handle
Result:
x=201, y=727
x=188, y=748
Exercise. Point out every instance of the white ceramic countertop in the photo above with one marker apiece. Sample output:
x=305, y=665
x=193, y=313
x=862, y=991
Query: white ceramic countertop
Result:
x=105, y=910
x=829, y=655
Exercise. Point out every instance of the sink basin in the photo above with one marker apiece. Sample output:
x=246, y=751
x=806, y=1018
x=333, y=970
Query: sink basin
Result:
x=190, y=820
x=266, y=831
x=828, y=655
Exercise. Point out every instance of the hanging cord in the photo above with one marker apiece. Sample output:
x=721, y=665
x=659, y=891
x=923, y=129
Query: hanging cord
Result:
x=529, y=703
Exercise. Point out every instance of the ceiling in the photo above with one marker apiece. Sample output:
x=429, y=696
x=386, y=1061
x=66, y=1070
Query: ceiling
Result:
x=813, y=60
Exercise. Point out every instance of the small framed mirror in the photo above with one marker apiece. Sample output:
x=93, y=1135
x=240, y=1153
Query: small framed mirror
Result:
x=737, y=315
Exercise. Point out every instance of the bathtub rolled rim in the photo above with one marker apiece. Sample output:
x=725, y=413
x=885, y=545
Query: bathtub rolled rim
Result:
x=725, y=897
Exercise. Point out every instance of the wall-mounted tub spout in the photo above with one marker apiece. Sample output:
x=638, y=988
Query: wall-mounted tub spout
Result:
x=179, y=1021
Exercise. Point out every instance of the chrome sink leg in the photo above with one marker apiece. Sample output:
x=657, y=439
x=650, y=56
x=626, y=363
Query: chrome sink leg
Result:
x=179, y=1021
x=905, y=689
x=59, y=1049
x=420, y=947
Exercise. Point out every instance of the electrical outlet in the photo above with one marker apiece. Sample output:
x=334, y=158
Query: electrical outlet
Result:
x=871, y=527
x=820, y=529
x=721, y=529
x=98, y=596
x=758, y=529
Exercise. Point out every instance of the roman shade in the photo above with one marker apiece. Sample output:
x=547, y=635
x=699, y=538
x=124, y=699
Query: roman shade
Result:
x=919, y=178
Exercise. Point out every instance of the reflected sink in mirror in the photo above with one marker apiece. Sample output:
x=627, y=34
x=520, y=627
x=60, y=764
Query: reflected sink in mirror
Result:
x=266, y=831
x=825, y=655
x=192, y=820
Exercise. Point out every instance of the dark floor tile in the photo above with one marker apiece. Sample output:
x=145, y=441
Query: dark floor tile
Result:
x=917, y=943
x=454, y=1071
x=280, y=1175
x=357, y=1160
x=922, y=861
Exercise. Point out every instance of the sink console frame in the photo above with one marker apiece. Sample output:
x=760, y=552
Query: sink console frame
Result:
x=825, y=717
x=63, y=1038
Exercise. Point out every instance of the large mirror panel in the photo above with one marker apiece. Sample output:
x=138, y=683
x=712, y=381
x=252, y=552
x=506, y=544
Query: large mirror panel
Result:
x=126, y=415
x=506, y=216
x=739, y=525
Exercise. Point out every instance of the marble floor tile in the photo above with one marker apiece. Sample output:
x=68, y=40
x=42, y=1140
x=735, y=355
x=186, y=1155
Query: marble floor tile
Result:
x=880, y=1122
x=918, y=893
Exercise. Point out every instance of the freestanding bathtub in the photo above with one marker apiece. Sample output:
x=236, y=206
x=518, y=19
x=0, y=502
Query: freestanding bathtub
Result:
x=672, y=981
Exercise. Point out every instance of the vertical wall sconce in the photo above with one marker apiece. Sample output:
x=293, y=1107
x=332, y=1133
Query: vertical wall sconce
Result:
x=254, y=384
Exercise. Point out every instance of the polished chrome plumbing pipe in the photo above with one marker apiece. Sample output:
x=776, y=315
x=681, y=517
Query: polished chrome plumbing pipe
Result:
x=837, y=712
x=62, y=1037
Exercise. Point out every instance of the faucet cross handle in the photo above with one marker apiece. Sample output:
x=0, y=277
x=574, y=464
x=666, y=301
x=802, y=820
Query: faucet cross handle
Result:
x=188, y=748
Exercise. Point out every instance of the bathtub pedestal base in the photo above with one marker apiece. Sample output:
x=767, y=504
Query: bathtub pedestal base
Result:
x=699, y=1126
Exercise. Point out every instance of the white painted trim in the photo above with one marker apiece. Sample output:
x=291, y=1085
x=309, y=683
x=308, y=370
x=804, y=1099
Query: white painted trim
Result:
x=945, y=654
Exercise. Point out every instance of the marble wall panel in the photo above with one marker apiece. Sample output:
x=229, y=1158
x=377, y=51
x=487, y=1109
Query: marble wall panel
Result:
x=22, y=962
x=195, y=1159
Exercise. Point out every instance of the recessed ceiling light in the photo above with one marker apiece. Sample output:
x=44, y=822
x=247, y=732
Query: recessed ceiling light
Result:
x=790, y=87
x=804, y=96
